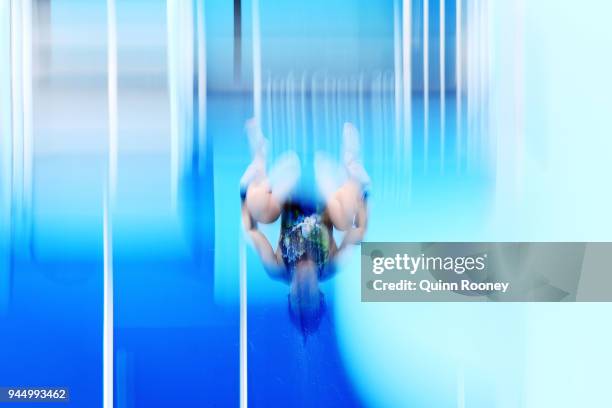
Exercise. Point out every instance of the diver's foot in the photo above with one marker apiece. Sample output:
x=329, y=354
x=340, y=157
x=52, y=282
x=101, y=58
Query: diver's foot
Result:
x=351, y=148
x=327, y=175
x=357, y=172
x=257, y=141
x=284, y=175
x=258, y=145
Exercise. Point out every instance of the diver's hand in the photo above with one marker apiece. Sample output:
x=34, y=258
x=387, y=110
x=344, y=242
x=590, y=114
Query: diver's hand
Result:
x=259, y=241
x=354, y=235
x=248, y=222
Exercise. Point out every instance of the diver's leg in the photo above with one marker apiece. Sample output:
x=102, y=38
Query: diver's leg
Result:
x=258, y=145
x=264, y=193
x=329, y=175
x=260, y=202
x=284, y=175
x=351, y=158
x=344, y=195
x=343, y=206
x=254, y=185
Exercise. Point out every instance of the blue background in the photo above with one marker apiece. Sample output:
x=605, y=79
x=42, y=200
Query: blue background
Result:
x=536, y=168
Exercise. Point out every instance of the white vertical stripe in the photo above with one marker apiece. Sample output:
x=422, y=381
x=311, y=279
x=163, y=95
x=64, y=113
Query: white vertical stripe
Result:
x=407, y=76
x=361, y=109
x=472, y=80
x=331, y=135
x=490, y=53
x=285, y=109
x=313, y=106
x=442, y=82
x=242, y=249
x=476, y=70
x=256, y=62
x=275, y=113
x=425, y=82
x=469, y=80
x=291, y=93
x=407, y=93
x=186, y=75
x=397, y=69
x=108, y=203
x=202, y=84
x=172, y=56
x=483, y=82
x=327, y=109
x=26, y=76
x=304, y=125
x=108, y=324
x=5, y=155
x=112, y=99
x=458, y=78
x=282, y=134
x=269, y=131
x=17, y=103
x=477, y=85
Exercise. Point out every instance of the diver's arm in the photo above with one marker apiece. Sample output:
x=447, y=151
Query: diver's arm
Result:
x=261, y=243
x=355, y=234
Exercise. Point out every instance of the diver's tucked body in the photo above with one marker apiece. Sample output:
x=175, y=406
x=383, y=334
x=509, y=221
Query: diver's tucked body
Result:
x=306, y=252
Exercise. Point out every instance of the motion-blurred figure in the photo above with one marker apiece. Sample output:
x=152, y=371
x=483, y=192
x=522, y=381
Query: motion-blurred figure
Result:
x=306, y=251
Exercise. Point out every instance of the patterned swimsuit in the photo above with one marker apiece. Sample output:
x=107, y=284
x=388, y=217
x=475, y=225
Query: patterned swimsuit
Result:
x=305, y=235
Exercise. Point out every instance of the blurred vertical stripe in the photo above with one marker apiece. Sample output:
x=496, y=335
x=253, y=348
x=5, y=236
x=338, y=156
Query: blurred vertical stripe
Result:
x=5, y=153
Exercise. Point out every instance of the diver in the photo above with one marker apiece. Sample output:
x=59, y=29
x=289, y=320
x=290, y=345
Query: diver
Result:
x=306, y=252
